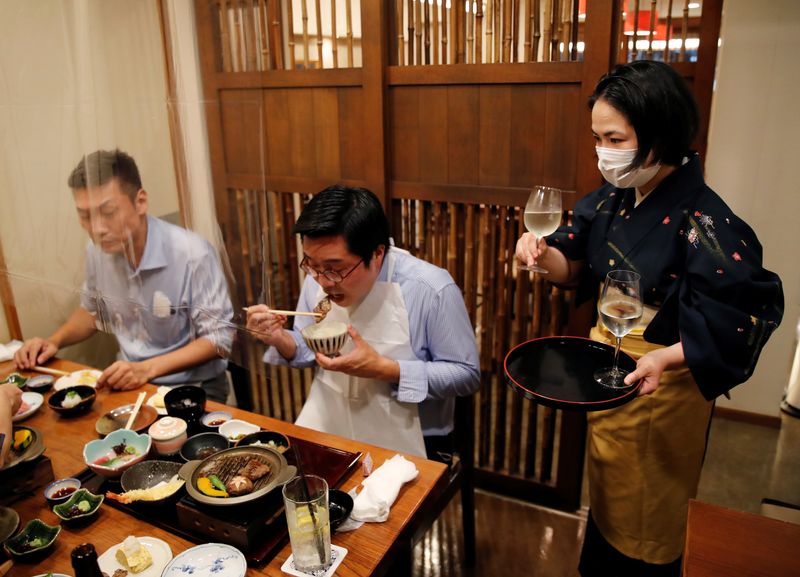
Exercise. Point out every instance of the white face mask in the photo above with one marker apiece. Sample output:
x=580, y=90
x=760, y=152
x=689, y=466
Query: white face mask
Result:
x=614, y=164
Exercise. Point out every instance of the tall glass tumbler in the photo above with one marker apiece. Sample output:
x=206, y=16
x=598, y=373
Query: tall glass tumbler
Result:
x=306, y=502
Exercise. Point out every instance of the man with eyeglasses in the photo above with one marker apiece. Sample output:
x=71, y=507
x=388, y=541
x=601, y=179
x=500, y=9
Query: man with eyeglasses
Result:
x=412, y=348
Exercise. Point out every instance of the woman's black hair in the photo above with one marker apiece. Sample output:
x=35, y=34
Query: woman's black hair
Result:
x=354, y=213
x=656, y=101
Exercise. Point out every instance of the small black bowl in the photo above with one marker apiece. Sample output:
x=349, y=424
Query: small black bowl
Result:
x=187, y=403
x=340, y=505
x=40, y=383
x=202, y=446
x=146, y=474
x=85, y=392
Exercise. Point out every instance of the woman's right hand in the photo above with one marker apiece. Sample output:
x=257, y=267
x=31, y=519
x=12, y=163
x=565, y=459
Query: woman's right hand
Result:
x=265, y=325
x=530, y=248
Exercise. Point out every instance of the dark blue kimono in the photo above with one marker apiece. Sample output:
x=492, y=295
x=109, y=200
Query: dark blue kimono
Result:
x=700, y=265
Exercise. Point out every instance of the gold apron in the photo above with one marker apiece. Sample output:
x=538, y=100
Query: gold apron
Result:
x=645, y=459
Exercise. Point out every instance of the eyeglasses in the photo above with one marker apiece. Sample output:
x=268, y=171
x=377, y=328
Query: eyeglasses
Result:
x=332, y=275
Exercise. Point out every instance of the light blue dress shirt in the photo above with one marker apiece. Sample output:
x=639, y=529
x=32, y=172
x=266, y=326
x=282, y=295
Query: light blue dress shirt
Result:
x=177, y=295
x=442, y=338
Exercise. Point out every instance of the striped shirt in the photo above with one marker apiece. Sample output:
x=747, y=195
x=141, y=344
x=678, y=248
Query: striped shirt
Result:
x=442, y=339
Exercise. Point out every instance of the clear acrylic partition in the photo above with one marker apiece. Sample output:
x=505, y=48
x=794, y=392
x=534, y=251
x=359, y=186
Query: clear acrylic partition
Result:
x=77, y=77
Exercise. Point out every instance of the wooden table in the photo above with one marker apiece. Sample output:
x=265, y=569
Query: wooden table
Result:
x=723, y=542
x=370, y=548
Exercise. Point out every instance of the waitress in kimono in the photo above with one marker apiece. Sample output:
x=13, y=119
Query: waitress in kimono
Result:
x=710, y=307
x=411, y=350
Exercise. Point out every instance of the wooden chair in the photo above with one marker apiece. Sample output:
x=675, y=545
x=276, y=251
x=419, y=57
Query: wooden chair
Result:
x=459, y=478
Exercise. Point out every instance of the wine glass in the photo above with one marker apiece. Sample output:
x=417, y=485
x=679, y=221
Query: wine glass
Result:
x=542, y=216
x=620, y=308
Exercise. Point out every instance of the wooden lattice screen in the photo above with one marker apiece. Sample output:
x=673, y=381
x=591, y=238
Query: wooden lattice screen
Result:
x=449, y=115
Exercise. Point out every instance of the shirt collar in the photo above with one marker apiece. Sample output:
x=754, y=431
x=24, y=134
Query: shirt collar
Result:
x=154, y=256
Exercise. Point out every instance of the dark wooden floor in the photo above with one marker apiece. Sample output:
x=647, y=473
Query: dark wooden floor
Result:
x=745, y=463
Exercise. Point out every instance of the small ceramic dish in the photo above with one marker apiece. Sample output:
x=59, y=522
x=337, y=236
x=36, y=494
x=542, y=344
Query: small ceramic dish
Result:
x=120, y=450
x=40, y=383
x=61, y=490
x=36, y=537
x=272, y=439
x=326, y=337
x=118, y=418
x=235, y=429
x=85, y=399
x=81, y=505
x=202, y=446
x=9, y=521
x=168, y=434
x=186, y=402
x=30, y=404
x=340, y=505
x=85, y=377
x=215, y=419
x=16, y=379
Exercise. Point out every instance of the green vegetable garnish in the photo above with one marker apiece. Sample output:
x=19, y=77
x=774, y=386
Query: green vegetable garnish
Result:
x=84, y=506
x=217, y=483
x=71, y=395
x=130, y=450
x=34, y=543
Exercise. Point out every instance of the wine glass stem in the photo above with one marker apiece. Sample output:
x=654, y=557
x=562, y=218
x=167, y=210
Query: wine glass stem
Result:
x=616, y=354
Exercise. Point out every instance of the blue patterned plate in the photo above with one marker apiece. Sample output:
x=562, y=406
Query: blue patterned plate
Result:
x=209, y=560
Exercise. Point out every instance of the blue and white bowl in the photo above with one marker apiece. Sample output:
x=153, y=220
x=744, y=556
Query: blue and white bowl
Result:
x=208, y=560
x=95, y=451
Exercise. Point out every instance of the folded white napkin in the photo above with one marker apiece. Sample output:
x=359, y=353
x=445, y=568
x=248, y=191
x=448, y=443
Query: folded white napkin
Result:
x=381, y=489
x=7, y=350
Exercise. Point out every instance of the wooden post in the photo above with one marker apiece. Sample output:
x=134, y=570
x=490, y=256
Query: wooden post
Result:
x=375, y=62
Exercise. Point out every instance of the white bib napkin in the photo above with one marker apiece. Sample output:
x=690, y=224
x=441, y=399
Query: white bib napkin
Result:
x=381, y=489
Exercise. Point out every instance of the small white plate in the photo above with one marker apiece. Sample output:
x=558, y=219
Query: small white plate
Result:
x=159, y=393
x=85, y=377
x=31, y=404
x=159, y=550
x=209, y=560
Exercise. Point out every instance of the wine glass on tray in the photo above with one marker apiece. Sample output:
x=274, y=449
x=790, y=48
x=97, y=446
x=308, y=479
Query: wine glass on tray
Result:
x=620, y=308
x=542, y=216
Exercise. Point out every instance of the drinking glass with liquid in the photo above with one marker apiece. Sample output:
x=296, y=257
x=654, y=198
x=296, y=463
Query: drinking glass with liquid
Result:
x=620, y=307
x=542, y=216
x=306, y=501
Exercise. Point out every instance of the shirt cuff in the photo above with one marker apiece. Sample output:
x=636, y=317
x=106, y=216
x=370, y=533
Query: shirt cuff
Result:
x=303, y=356
x=413, y=385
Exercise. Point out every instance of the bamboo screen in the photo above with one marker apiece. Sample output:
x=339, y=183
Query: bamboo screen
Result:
x=485, y=31
x=664, y=30
x=475, y=243
x=259, y=35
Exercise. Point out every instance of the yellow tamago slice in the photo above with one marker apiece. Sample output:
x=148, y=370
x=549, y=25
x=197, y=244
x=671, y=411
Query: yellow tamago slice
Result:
x=133, y=555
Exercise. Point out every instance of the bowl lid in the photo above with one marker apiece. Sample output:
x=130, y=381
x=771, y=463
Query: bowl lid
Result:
x=167, y=428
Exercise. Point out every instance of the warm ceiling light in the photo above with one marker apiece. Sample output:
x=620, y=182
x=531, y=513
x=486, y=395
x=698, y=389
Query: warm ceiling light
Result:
x=693, y=5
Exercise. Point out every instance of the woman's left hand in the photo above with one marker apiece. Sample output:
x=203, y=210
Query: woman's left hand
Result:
x=651, y=365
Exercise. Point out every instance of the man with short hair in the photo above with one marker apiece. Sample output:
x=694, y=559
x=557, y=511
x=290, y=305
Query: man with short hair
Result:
x=412, y=348
x=157, y=287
